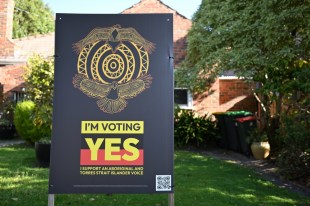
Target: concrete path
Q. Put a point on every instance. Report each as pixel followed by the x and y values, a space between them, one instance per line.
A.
pixel 5 143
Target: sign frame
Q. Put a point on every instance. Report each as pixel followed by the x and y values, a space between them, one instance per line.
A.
pixel 110 69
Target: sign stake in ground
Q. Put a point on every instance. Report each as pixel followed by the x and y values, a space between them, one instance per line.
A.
pixel 113 105
pixel 51 199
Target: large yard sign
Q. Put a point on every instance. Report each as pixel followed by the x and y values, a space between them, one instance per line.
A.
pixel 113 104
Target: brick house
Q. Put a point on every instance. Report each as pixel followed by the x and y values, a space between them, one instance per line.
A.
pixel 227 93
pixel 15 52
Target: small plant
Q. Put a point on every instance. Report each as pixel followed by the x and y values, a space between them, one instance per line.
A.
pixel 4 122
pixel 258 136
pixel 193 130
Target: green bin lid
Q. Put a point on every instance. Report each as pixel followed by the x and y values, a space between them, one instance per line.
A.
pixel 238 113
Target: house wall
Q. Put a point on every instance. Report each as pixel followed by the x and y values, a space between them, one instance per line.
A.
pixel 226 95
pixel 1 97
pixel 11 77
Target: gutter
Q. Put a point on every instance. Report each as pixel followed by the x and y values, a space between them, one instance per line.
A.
pixel 4 62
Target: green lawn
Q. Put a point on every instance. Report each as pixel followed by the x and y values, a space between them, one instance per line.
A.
pixel 200 181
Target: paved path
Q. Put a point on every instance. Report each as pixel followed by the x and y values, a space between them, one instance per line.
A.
pixel 5 143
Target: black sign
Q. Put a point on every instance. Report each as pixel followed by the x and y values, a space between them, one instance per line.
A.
pixel 113 104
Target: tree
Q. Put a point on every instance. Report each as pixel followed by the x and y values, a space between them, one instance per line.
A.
pixel 32 17
pixel 263 41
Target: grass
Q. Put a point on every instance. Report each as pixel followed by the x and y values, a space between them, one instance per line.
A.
pixel 200 181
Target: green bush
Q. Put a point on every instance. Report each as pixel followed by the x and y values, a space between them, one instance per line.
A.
pixel 294 156
pixel 193 130
pixel 24 122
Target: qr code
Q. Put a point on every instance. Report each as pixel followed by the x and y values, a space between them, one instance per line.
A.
pixel 163 182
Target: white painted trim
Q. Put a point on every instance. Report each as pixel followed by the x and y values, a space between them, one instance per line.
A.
pixel 12 61
pixel 230 77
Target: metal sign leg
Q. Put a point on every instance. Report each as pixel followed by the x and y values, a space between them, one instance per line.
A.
pixel 171 199
pixel 51 199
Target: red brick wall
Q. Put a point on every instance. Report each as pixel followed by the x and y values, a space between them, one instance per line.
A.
pixel 1 97
pixel 6 28
pixel 181 24
pixel 226 95
pixel 11 77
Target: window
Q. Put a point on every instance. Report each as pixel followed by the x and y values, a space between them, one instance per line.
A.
pixel 183 98
pixel 18 96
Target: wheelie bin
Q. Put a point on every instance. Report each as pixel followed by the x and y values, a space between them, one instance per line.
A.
pixel 244 127
pixel 231 132
pixel 220 118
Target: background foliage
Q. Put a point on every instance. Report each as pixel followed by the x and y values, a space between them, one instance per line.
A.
pixel 32 17
pixel 266 42
pixel 39 78
pixel 262 41
pixel 294 157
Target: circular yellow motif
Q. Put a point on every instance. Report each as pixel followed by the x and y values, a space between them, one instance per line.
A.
pixel 113 66
pixel 120 67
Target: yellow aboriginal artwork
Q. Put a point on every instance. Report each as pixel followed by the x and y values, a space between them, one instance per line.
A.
pixel 113 66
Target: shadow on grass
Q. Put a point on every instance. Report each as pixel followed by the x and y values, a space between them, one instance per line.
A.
pixel 212 182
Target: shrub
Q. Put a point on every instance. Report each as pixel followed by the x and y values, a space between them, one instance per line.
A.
pixel 39 78
pixel 6 110
pixel 294 156
pixel 192 130
pixel 24 122
pixel 7 129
